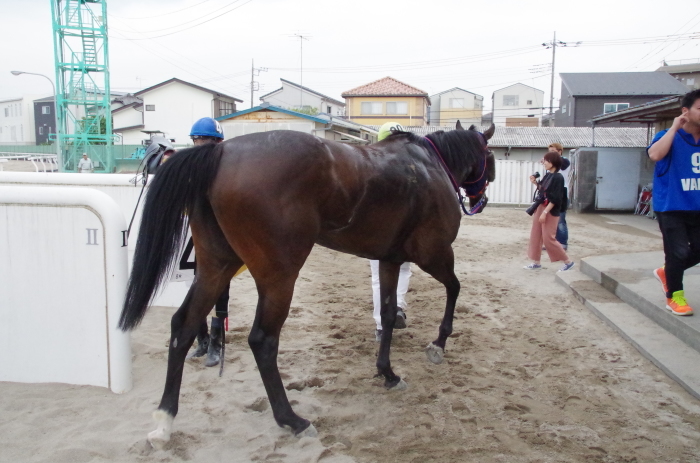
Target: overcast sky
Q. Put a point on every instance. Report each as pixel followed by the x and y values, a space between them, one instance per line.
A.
pixel 433 45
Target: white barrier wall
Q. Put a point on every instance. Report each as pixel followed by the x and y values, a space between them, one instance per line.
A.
pixel 124 193
pixel 63 275
pixel 512 184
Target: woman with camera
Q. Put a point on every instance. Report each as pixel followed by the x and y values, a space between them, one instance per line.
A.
pixel 550 201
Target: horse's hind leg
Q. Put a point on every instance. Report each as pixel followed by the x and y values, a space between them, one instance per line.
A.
pixel 275 295
pixel 388 280
pixel 441 267
pixel 212 278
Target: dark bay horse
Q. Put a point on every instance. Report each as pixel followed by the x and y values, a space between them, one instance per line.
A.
pixel 265 199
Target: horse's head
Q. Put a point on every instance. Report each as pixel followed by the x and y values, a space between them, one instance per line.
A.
pixel 475 184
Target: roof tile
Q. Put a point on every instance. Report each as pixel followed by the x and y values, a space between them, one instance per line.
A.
pixel 388 86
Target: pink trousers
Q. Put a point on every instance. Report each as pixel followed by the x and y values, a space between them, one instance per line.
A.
pixel 545 233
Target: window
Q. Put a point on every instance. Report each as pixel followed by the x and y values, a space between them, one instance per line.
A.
pixel 150 107
pixel 225 107
pixel 529 102
pixel 7 112
pixel 511 100
pixel 369 107
pixel 41 131
pixel 398 107
pixel 563 109
pixel 690 81
pixel 477 104
pixel 46 110
pixel 329 110
pixel 612 107
pixel 457 103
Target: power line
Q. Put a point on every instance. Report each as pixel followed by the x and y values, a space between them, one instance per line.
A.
pixel 191 27
pixel 159 15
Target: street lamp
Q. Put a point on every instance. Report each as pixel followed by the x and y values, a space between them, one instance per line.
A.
pixel 59 158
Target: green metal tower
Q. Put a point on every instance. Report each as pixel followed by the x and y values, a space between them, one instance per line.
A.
pixel 81 57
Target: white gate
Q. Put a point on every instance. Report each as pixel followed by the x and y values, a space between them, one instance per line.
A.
pixel 512 184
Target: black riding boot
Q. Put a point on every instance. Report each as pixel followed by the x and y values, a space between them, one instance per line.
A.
pixel 215 340
pixel 202 342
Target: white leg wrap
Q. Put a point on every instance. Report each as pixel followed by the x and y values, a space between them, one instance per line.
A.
pixel 435 354
pixel 161 435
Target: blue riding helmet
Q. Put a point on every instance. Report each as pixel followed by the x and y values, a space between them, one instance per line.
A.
pixel 207 127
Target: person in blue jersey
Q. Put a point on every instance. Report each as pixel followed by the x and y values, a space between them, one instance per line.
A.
pixel 676 191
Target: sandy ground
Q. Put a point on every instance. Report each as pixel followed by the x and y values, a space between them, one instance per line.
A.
pixel 529 375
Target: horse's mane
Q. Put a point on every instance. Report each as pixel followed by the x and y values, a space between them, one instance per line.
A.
pixel 458 148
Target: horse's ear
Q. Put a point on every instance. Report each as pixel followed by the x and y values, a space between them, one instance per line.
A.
pixel 472 127
pixel 489 132
pixel 459 126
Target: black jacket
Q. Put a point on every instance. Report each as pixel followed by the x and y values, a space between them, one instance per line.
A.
pixel 552 185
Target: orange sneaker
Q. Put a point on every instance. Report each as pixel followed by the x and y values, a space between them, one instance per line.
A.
pixel 660 274
pixel 678 305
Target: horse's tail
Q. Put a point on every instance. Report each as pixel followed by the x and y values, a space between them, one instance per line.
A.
pixel 180 186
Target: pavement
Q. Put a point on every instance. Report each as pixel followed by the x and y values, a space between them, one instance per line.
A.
pixel 622 291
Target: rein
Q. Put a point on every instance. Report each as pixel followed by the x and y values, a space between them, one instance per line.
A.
pixel 479 204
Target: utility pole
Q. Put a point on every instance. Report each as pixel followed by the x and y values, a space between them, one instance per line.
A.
pixel 551 85
pixel 253 84
pixel 553 45
pixel 301 67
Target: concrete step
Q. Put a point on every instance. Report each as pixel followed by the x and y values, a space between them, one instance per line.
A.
pixel 630 277
pixel 673 356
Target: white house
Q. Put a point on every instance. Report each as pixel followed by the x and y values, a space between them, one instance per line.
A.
pixel 170 107
pixel 454 105
pixel 267 117
pixel 17 120
pixel 294 96
pixel 517 105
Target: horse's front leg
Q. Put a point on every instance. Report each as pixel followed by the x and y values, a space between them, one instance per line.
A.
pixel 388 280
pixel 441 267
pixel 184 326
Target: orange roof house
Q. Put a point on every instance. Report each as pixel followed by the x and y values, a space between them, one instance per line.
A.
pixel 387 100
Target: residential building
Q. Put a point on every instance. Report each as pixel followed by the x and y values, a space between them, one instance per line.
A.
pixel 44 119
pixel 17 121
pixel 170 107
pixel 386 100
pixel 688 74
pixel 588 94
pixel 517 105
pixel 297 97
pixel 267 117
pixel 456 104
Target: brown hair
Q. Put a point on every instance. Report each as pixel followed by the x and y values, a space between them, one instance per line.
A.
pixel 554 158
pixel 556 146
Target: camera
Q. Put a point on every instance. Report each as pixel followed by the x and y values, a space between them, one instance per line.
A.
pixel 536 175
pixel 531 210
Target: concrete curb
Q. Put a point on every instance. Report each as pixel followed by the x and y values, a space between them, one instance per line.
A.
pixel 629 277
pixel 671 355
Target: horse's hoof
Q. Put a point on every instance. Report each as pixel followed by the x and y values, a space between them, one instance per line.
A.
pixel 308 432
pixel 435 354
pixel 161 435
pixel 400 386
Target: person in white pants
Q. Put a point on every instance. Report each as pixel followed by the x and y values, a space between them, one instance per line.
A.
pixel 401 290
pixel 405 272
